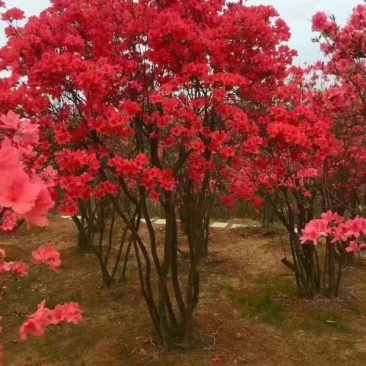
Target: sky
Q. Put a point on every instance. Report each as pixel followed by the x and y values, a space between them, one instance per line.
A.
pixel 296 13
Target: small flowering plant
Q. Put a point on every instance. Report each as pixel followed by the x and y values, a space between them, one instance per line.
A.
pixel 25 195
pixel 43 317
pixel 48 255
pixel 350 233
pixel 342 236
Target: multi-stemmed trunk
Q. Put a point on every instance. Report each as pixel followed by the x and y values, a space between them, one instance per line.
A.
pixel 170 287
pixel 195 213
pixel 311 277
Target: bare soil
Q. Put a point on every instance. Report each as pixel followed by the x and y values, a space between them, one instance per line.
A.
pixel 248 314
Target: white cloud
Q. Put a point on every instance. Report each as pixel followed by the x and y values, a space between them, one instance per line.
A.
pixel 30 7
pixel 298 13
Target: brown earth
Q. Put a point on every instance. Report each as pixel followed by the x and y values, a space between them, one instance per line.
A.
pixel 248 314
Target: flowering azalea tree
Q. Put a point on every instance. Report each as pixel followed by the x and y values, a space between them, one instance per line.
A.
pixel 309 156
pixel 141 101
pixel 342 184
pixel 344 101
pixel 283 164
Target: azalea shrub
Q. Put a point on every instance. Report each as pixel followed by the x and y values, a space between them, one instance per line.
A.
pixel 343 237
pixel 349 232
pixel 141 101
pixel 283 166
pixel 343 99
pixel 340 184
pixel 309 155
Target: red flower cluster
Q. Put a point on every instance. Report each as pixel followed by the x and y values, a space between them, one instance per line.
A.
pixel 44 317
pixel 349 232
pixel 48 255
pixel 23 194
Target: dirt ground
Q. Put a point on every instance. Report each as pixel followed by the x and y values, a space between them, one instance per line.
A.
pixel 248 314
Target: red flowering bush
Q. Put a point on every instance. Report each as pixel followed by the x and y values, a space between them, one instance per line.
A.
pixel 309 155
pixel 342 99
pixel 140 101
pixel 340 184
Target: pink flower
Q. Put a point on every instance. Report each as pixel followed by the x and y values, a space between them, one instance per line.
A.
pixel 9 221
pixel 36 322
pixel 319 21
pixel 339 233
pixel 26 133
pixel 18 192
pixel 10 120
pixel 49 176
pixel 16 268
pixel 42 204
pixel 47 254
pixel 4 266
pixel 332 216
pixel 321 225
pixel 314 230
pixel 69 208
pixel 352 247
pixel 9 158
pixel 19 268
pixel 69 313
pixel 354 227
pixel 310 234
pixel 13 14
pixel 44 317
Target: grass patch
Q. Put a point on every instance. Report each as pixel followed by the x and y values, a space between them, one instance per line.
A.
pixel 281 285
pixel 258 231
pixel 264 305
pixel 324 322
pixel 260 306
